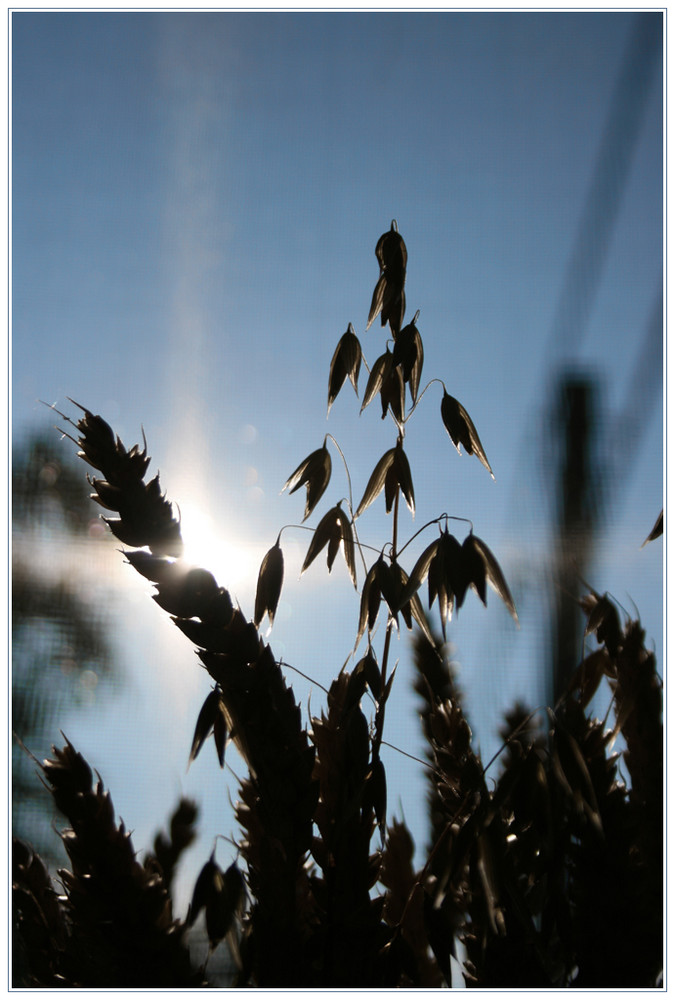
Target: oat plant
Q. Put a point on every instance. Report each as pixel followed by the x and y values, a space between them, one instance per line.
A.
pixel 543 867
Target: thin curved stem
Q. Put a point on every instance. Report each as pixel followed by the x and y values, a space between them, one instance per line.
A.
pixel 436 520
pixel 312 529
pixel 419 881
pixel 510 738
pixel 283 663
pixel 410 756
pixel 379 715
pixel 344 462
pixel 350 501
pixel 419 531
pixel 419 398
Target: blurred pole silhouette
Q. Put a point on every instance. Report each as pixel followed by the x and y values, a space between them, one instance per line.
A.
pixel 575 412
pixel 578 509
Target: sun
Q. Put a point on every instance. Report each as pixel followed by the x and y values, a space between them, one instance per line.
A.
pixel 235 566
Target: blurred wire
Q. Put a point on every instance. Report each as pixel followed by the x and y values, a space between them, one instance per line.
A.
pixel 604 197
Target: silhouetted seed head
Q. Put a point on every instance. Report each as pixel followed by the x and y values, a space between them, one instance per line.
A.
pixel 333 530
pixel 205 722
pixel 389 297
pixel 314 473
pixel 218 609
pixel 379 374
pixel 270 580
pixel 392 394
pixel 391 473
pixel 220 732
pixel 346 363
pixel 356 687
pixel 220 899
pixel 366 673
pixel 375 795
pixel 357 740
pixel 155 568
pixel 460 427
pixel 371 598
pixel 603 619
pixel 409 356
pixel 237 639
pixel 656 531
pixel 188 594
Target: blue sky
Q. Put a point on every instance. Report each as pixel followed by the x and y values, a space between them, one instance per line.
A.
pixel 196 198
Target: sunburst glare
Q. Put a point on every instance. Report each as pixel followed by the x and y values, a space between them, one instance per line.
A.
pixel 235 566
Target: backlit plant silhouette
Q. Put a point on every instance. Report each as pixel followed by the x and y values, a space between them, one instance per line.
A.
pixel 546 872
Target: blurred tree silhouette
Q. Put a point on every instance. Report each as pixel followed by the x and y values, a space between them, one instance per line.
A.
pixel 48 491
pixel 60 650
